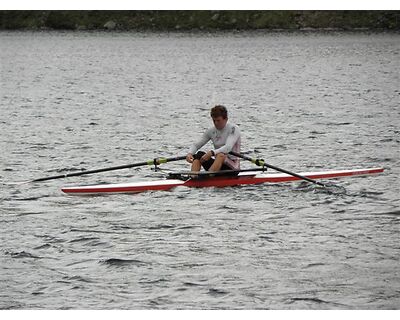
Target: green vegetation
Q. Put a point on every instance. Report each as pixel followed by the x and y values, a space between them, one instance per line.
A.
pixel 199 20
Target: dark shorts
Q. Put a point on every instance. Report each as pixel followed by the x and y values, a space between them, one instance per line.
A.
pixel 207 165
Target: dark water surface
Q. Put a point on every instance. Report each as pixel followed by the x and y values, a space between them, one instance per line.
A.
pixel 304 102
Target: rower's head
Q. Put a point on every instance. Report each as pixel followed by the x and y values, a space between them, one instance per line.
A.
pixel 219 115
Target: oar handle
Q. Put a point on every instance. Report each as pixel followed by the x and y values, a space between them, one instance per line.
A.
pixel 258 162
pixel 155 161
pixel 262 163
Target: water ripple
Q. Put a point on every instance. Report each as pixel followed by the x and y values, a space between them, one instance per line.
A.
pixel 117 262
pixel 93 100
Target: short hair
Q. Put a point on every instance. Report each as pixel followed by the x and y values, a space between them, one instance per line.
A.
pixel 219 111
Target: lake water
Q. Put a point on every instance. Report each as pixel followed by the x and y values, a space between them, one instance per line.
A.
pixel 303 101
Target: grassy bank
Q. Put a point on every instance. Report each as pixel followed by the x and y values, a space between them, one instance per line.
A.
pixel 199 20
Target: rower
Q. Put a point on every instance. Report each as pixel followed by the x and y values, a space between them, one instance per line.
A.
pixel 225 138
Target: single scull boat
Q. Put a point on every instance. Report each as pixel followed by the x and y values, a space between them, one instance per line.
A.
pixel 243 178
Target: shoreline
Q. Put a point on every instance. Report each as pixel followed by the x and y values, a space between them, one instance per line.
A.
pixel 201 21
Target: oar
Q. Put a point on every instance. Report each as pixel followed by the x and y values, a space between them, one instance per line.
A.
pixel 262 163
pixel 155 161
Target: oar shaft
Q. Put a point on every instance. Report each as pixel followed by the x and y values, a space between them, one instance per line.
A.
pixel 260 163
pixel 155 161
pixel 295 174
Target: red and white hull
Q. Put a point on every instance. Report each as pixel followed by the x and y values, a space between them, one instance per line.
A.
pixel 243 178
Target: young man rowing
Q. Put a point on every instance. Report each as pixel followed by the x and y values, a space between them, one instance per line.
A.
pixel 225 137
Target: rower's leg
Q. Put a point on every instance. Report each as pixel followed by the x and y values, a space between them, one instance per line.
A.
pixel 219 161
pixel 196 165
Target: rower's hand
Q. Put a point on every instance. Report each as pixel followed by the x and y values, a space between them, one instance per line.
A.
pixel 189 158
pixel 206 157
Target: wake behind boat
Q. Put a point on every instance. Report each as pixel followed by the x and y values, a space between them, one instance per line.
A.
pixel 191 180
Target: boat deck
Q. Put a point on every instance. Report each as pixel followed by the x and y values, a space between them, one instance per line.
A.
pixel 243 178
